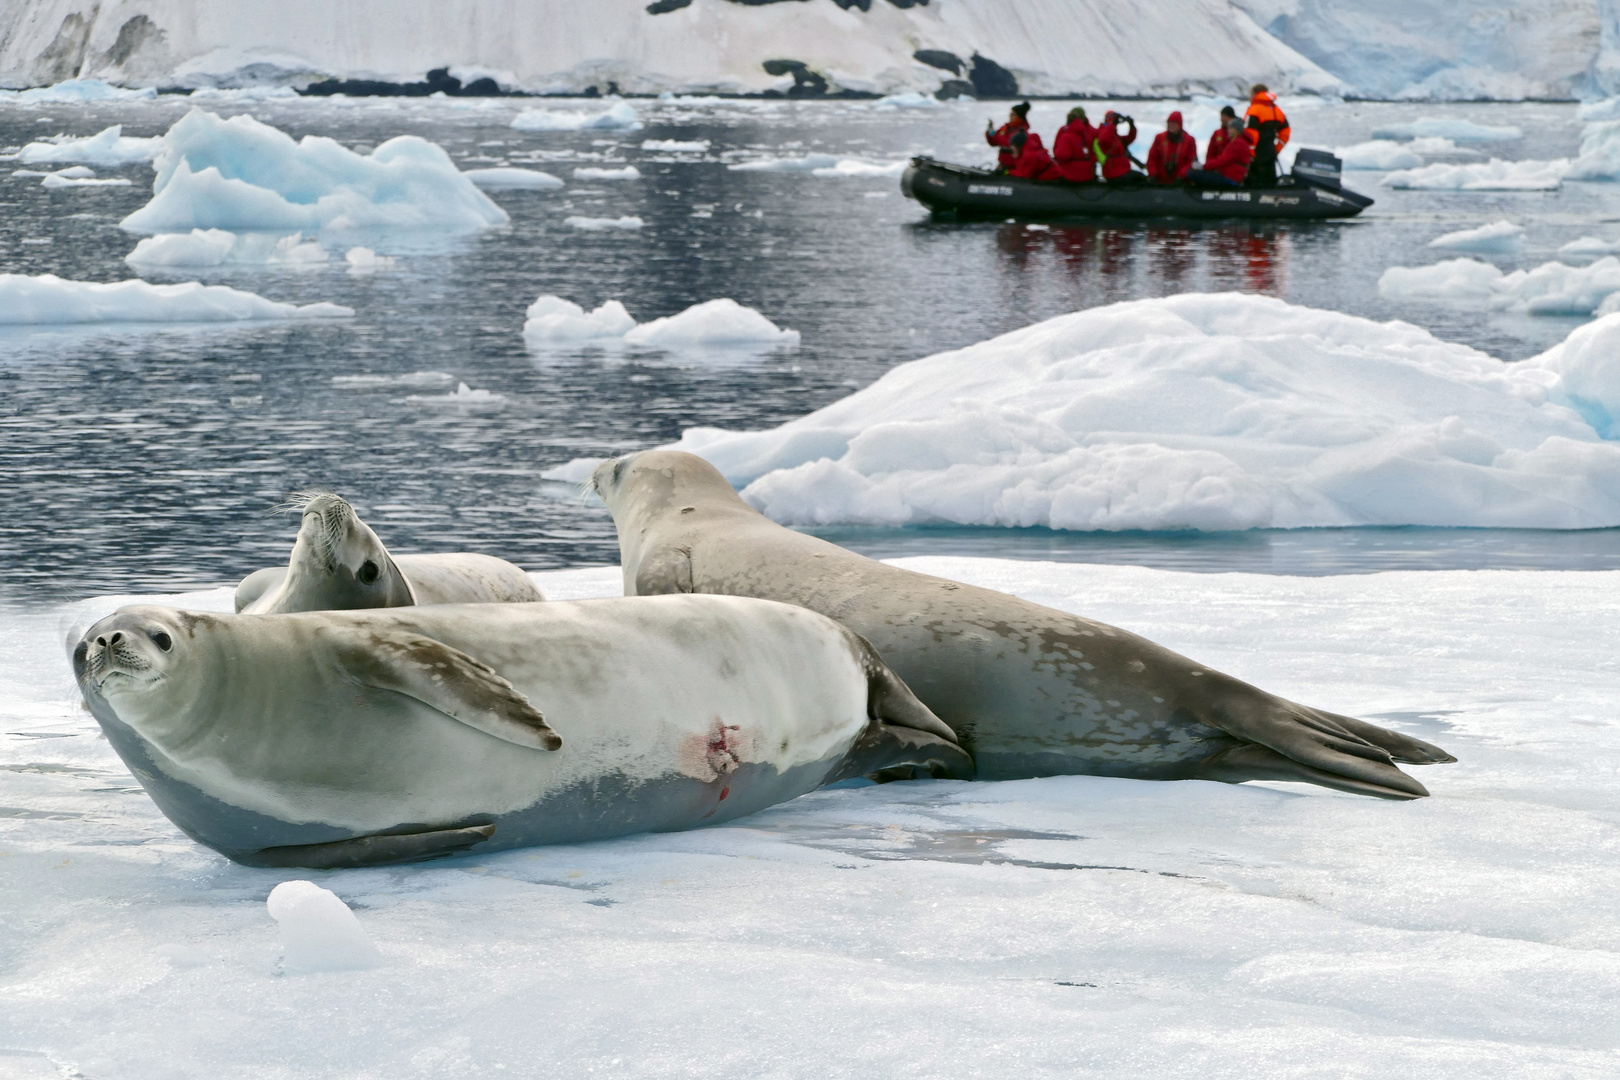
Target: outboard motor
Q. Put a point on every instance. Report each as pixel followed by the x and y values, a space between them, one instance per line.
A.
pixel 1318 167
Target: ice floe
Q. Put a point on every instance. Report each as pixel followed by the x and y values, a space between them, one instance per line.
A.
pixel 676 146
pixel 318 930
pixel 592 172
pixel 108 148
pixel 1497 238
pixel 48 299
pixel 1446 127
pixel 1378 154
pixel 80 176
pixel 1589 247
pixel 363 260
pixel 824 165
pixel 507 178
pixel 1201 411
pixel 77 91
pixel 910 99
pixel 1076 926
pixel 242 175
pixel 1493 175
pixel 414 380
pixel 463 396
pixel 1549 289
pixel 603 224
pixel 1599 158
pixel 716 325
pixel 217 247
pixel 621 116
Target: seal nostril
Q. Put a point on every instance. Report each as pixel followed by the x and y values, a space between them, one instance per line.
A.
pixel 102 642
pixel 368 572
pixel 116 638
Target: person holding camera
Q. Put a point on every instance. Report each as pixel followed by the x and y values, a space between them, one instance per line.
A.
pixel 1017 120
pixel 1109 148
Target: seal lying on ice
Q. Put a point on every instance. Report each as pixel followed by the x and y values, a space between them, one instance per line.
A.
pixel 1029 690
pixel 338 563
pixel 356 738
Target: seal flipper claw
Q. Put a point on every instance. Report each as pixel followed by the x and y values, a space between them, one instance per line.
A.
pixel 1402 748
pixel 1252 762
pixel 372 850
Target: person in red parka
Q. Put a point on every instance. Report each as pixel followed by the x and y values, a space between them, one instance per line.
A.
pixel 1109 147
pixel 1229 165
pixel 1173 154
pixel 1072 149
pixel 1033 163
pixel 1017 120
pixel 1222 135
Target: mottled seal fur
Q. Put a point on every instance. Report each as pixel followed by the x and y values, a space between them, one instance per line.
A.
pixel 338 564
pixel 1029 690
pixel 350 738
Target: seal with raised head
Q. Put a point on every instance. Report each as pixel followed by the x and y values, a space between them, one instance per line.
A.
pixel 339 564
pixel 355 738
pixel 1029 690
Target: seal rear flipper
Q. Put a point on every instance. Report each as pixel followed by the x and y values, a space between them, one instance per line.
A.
pixel 257 584
pixel 372 850
pixel 885 752
pixel 1251 762
pixel 1403 748
pixel 667 570
pixel 442 678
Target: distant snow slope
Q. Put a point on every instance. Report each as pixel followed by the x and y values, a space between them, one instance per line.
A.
pixel 1046 46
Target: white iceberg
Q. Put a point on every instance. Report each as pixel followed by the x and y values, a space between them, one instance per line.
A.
pixel 1497 238
pixel 1378 154
pixel 108 148
pixel 621 116
pixel 241 175
pixel 318 930
pixel 1449 128
pixel 1599 158
pixel 719 326
pixel 48 299
pixel 507 178
pixel 601 224
pixel 217 247
pixel 1494 175
pixel 553 320
pixel 363 260
pixel 592 172
pixel 1549 289
pixel 1589 247
pixel 676 146
pixel 77 91
pixel 910 99
pixel 1195 412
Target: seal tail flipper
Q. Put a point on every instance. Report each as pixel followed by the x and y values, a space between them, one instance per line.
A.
pixel 1403 748
pixel 372 850
pixel 1316 741
pixel 1252 762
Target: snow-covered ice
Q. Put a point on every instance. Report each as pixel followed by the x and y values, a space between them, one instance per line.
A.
pixel 593 172
pixel 1449 127
pixel 1199 411
pixel 318 930
pixel 603 224
pixel 107 149
pixel 719 327
pixel 1496 238
pixel 910 99
pixel 48 299
pixel 621 116
pixel 507 178
pixel 1493 175
pixel 217 247
pixel 242 175
pixel 1549 289
pixel 1070 926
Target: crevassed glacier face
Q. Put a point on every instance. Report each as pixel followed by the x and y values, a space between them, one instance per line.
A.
pixel 1205 412
pixel 243 175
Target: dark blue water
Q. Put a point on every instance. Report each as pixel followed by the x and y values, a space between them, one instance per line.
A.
pixel 145 459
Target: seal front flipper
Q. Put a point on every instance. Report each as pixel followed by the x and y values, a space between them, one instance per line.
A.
pixel 885 752
pixel 667 570
pixel 379 850
pixel 1251 762
pixel 443 678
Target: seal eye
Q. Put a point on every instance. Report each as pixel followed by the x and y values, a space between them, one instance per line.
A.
pixel 368 572
pixel 162 640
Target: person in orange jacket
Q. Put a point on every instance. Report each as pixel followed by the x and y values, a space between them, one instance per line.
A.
pixel 1017 120
pixel 1072 149
pixel 1033 163
pixel 1109 147
pixel 1268 131
pixel 1173 154
pixel 1226 165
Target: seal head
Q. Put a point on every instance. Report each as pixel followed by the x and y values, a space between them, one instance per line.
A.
pixel 337 563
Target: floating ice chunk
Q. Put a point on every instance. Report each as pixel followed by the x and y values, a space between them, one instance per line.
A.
pixel 242 175
pixel 363 260
pixel 415 380
pixel 108 148
pixel 463 396
pixel 600 224
pixel 1454 279
pixel 1587 364
pixel 1435 145
pixel 716 323
pixel 806 164
pixel 78 176
pixel 506 178
pixel 1591 247
pixel 1599 158
pixel 216 247
pixel 1378 154
pixel 1497 238
pixel 551 319
pixel 1494 175
pixel 74 91
pixel 1593 111
pixel 318 931
pixel 1549 289
pixel 1448 128
pixel 620 117
pixel 50 299
pixel 590 172
pixel 850 167
pixel 908 100
pixel 676 146
pixel 232 95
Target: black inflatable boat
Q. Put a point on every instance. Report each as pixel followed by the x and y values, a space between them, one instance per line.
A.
pixel 1311 191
